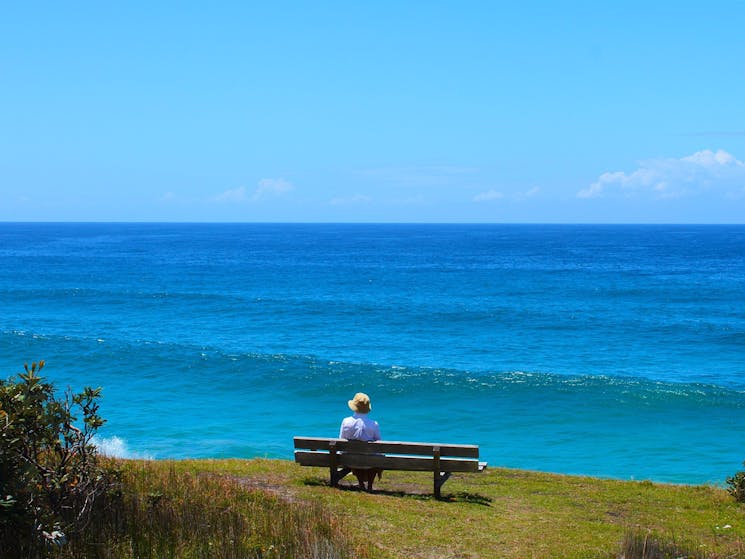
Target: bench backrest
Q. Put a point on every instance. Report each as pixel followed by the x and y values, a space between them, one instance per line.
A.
pixel 316 451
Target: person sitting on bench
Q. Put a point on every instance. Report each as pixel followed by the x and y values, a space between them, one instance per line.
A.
pixel 360 427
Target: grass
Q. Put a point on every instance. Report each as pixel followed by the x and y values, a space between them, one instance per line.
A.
pixel 512 513
pixel 163 510
pixel 273 508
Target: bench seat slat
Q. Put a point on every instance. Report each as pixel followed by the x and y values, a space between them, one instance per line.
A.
pixel 405 463
pixel 387 447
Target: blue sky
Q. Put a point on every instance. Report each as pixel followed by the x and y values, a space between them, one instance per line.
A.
pixel 466 111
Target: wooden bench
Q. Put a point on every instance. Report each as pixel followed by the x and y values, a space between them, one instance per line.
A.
pixel 341 455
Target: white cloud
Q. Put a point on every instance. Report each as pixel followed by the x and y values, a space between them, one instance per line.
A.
pixel 595 189
pixel 350 200
pixel 421 176
pixel 271 187
pixel 266 188
pixel 705 170
pixel 232 195
pixel 532 193
pixel 708 158
pixel 415 200
pixel 488 196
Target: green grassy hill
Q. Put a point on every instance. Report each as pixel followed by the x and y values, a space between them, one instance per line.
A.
pixel 505 513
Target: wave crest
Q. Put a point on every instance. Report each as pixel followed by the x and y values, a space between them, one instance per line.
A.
pixel 116 447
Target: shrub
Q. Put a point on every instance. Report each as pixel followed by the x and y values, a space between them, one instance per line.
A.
pixel 50 477
pixel 736 485
pixel 59 498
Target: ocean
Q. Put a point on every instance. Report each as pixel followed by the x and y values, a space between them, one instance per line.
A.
pixel 612 351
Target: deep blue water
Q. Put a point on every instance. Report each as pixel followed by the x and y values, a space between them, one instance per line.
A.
pixel 605 350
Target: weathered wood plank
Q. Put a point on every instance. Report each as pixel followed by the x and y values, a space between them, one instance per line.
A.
pixel 387 447
pixel 386 462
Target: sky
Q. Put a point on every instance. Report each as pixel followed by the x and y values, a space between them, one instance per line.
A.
pixel 361 111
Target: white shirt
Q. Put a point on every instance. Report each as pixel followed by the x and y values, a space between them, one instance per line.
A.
pixel 359 427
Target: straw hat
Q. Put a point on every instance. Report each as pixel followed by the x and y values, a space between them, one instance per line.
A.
pixel 360 403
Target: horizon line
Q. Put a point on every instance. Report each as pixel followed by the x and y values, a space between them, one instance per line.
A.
pixel 481 223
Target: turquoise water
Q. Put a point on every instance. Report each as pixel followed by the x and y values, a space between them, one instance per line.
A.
pixel 614 351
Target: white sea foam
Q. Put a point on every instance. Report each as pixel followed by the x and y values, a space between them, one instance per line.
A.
pixel 116 447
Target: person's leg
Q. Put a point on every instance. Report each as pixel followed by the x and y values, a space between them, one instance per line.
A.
pixel 361 476
pixel 371 478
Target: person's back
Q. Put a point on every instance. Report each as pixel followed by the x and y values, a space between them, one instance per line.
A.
pixel 359 427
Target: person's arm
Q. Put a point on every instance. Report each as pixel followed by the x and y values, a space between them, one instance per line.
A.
pixel 347 429
pixel 377 432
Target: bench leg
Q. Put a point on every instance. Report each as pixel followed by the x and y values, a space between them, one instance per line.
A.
pixel 336 474
pixel 440 479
